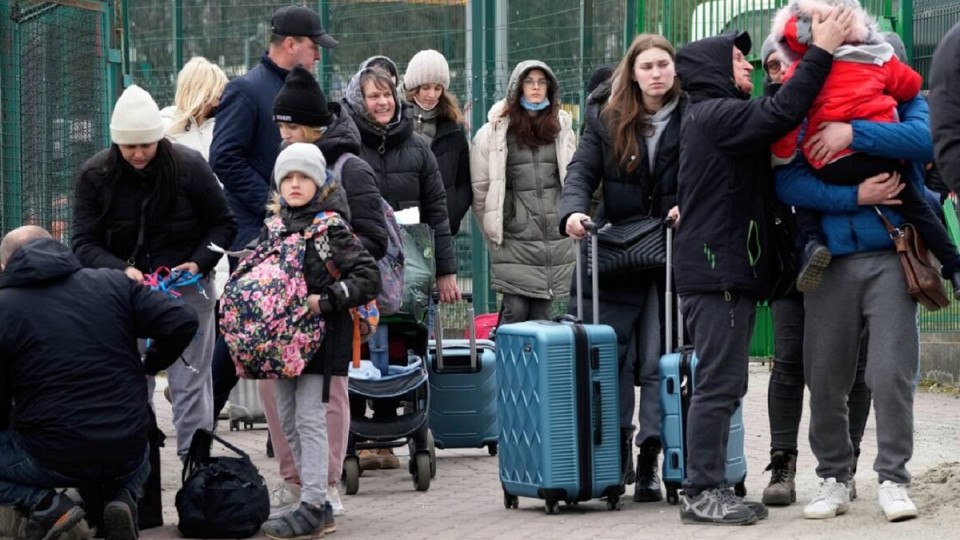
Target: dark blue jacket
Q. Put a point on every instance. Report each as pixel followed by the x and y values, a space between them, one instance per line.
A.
pixel 69 360
pixel 246 143
pixel 848 227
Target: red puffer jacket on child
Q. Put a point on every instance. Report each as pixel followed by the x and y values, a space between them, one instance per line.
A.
pixel 865 83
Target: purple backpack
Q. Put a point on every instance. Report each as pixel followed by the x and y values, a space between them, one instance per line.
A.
pixel 391 264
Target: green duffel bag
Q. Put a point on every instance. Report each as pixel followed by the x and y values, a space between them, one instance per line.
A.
pixel 419 269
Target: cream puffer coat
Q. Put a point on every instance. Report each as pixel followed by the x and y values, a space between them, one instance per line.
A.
pixel 543 267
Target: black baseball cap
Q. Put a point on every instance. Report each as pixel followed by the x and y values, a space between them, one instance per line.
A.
pixel 298 21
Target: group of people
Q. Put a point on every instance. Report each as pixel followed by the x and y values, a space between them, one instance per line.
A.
pixel 667 134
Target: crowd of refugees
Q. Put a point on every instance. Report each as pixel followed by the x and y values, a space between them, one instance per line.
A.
pixel 840 133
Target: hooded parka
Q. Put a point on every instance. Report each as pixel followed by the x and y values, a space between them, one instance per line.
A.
pixel 516 199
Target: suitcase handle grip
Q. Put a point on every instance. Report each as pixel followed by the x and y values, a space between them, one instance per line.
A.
pixel 597 414
pixel 471 330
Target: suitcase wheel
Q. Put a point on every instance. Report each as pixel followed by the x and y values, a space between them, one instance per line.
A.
pixel 420 467
pixel 614 503
pixel 672 496
pixel 510 501
pixel 351 475
pixel 552 507
pixel 492 448
pixel 740 489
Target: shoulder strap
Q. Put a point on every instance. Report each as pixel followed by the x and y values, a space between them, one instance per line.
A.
pixel 338 166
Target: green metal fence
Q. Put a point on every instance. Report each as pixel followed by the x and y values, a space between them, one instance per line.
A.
pixel 58 77
pixel 931 20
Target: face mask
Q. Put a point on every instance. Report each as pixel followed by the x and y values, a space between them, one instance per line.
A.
pixel 212 113
pixel 534 106
pixel 417 101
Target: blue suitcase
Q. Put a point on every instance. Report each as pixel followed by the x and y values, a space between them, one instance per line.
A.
pixel 463 390
pixel 559 412
pixel 677 381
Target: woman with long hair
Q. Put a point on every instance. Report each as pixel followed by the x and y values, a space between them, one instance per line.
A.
pixel 631 142
pixel 519 163
pixel 144 204
pixel 437 116
pixel 190 120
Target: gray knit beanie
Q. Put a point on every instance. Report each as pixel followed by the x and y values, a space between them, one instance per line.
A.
pixel 427 67
pixel 769 47
pixel 304 158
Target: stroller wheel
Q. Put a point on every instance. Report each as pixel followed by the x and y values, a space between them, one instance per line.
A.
pixel 421 471
pixel 433 454
pixel 351 475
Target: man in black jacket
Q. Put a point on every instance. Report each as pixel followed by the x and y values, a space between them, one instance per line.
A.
pixel 945 107
pixel 73 391
pixel 721 261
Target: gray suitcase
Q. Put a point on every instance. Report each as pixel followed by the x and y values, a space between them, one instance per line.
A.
pixel 244 407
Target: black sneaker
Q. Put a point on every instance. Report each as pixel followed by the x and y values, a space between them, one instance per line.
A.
pixel 329 525
pixel 716 506
pixel 305 521
pixel 813 261
pixel 55 515
pixel 120 517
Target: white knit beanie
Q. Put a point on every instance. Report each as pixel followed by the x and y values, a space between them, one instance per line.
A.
pixel 136 118
pixel 427 67
pixel 303 158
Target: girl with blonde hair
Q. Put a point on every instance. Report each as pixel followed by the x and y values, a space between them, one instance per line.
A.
pixel 191 119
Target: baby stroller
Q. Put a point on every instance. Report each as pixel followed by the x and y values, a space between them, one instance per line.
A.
pixel 397 368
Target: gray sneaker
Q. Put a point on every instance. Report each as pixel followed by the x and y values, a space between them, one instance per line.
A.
pixel 716 506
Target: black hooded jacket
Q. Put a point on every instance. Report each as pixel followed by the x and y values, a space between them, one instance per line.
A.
pixel 69 359
pixel 625 195
pixel 408 177
pixel 721 240
pixel 358 181
pixel 945 107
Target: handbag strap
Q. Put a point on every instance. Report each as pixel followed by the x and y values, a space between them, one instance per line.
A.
pixel 204 438
pixel 894 232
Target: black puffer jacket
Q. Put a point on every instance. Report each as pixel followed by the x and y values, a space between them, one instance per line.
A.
pixel 68 344
pixel 408 177
pixel 721 242
pixel 452 151
pixel 107 218
pixel 945 107
pixel 358 180
pixel 625 195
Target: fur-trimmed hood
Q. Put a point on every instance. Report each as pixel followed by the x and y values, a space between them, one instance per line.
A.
pixel 792 26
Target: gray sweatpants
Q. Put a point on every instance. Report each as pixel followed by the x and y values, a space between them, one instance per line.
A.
pixel 865 290
pixel 191 387
pixel 638 340
pixel 303 415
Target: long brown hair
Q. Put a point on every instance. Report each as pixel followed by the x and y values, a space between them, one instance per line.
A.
pixel 533 130
pixel 624 111
pixel 449 108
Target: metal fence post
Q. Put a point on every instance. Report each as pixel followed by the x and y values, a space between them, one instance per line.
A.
pixel 177 35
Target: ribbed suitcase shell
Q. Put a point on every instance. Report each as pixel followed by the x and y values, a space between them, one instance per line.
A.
pixel 537 404
pixel 672 429
pixel 244 405
pixel 463 402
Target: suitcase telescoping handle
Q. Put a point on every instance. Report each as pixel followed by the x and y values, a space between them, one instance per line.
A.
pixel 591 229
pixel 668 223
pixel 471 330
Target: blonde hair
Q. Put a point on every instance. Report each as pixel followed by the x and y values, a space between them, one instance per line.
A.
pixel 199 83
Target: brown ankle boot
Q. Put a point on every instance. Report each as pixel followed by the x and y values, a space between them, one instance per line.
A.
pixel 783 469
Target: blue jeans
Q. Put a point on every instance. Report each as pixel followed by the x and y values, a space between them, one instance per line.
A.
pixel 24 482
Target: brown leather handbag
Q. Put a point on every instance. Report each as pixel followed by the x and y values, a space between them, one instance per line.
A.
pixel 920 267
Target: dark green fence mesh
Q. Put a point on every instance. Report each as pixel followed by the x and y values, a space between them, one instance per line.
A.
pixel 931 20
pixel 55 107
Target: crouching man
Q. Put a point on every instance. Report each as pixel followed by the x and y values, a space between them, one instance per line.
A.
pixel 73 391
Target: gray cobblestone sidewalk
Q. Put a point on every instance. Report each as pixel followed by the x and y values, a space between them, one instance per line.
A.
pixel 465 499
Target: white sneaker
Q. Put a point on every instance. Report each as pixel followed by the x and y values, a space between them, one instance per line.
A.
pixel 832 500
pixel 284 498
pixel 333 497
pixel 895 502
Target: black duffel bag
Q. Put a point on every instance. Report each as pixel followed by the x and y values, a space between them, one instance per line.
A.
pixel 221 497
pixel 631 247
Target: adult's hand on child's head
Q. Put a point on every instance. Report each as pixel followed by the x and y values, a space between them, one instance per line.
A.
pixel 574 226
pixel 134 274
pixel 830 139
pixel 830 32
pixel 880 189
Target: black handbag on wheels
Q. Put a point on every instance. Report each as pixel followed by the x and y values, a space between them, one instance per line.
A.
pixel 633 246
